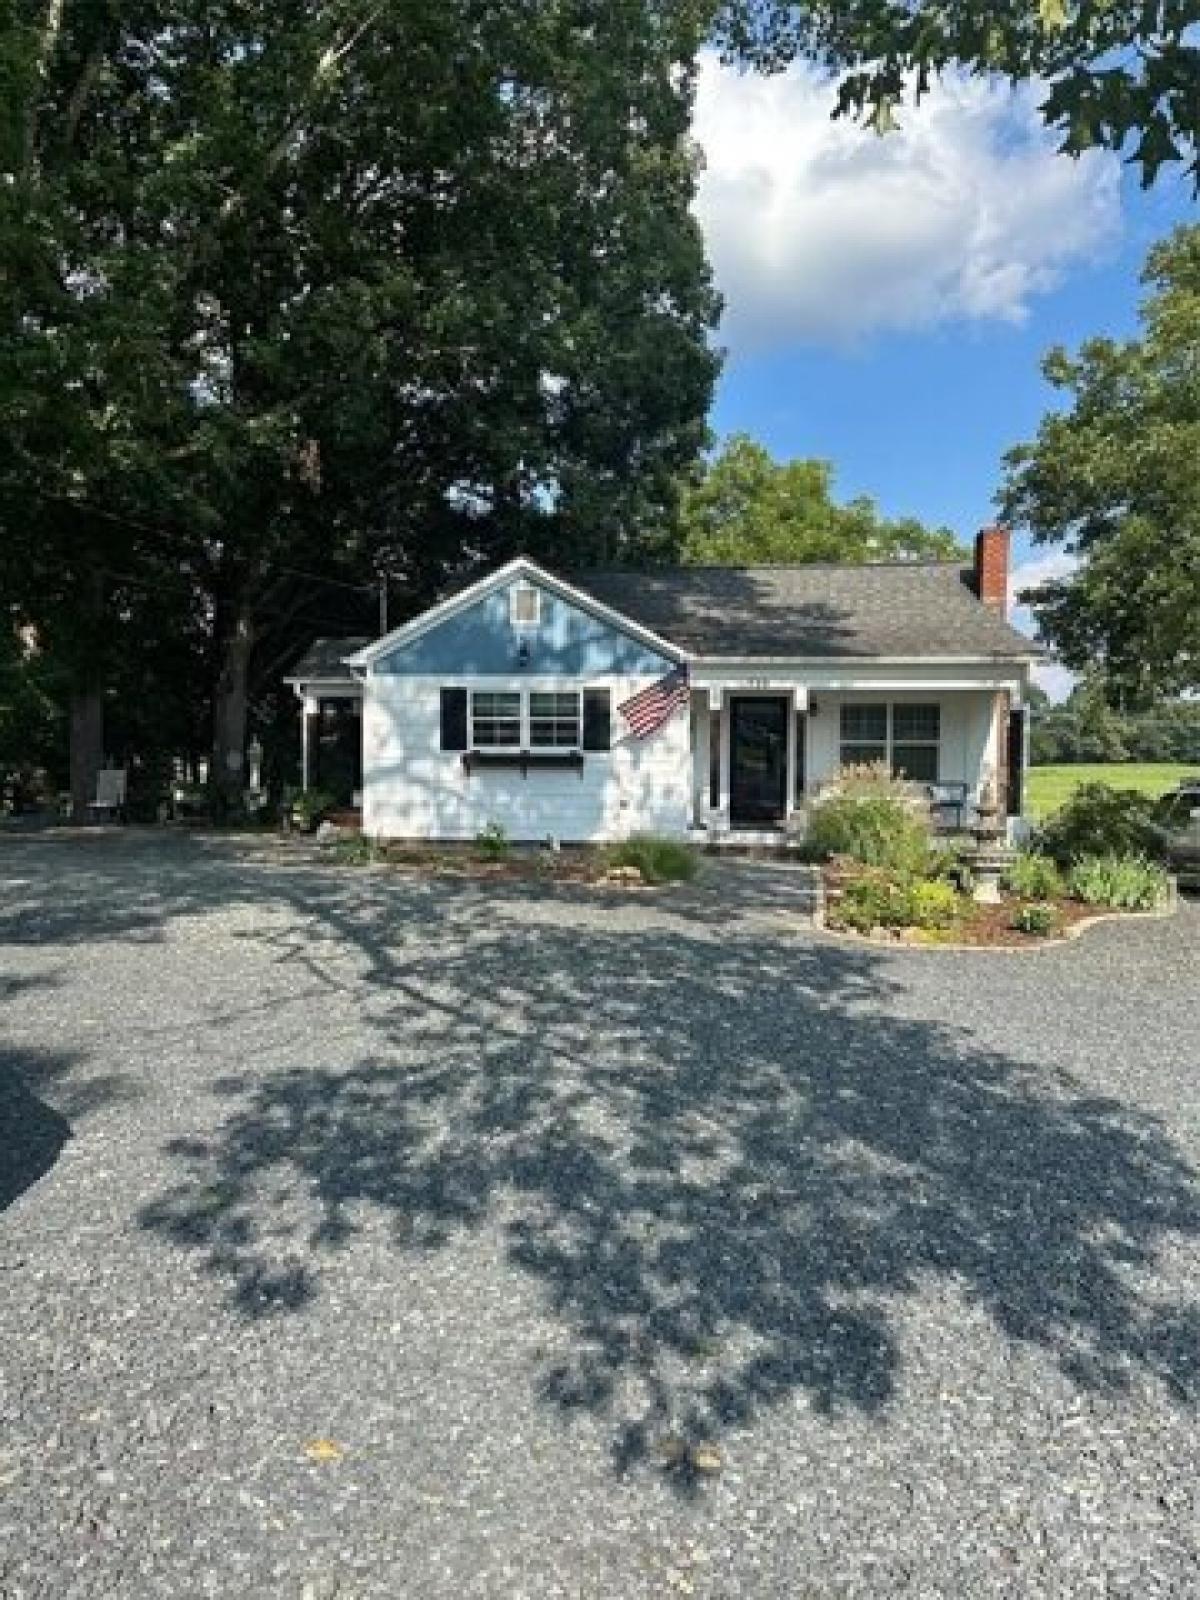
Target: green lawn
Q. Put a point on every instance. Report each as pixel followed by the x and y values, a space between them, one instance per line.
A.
pixel 1050 787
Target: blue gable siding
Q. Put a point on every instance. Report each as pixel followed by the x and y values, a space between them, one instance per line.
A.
pixel 480 641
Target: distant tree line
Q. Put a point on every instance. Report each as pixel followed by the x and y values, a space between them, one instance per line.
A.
pixel 1085 728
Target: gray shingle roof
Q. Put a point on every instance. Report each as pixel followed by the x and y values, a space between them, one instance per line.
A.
pixel 324 658
pixel 906 609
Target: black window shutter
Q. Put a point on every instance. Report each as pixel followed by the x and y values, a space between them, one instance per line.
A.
pixel 597 720
pixel 454 719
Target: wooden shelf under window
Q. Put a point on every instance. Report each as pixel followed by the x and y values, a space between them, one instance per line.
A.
pixel 524 760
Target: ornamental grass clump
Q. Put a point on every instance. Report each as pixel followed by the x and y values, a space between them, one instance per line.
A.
pixel 1122 883
pixel 873 818
pixel 658 860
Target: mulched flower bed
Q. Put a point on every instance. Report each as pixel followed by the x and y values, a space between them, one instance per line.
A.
pixel 988 926
pixel 532 865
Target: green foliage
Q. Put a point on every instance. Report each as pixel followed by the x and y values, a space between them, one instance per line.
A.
pixel 1086 729
pixel 1114 476
pixel 1123 882
pixel 1119 76
pixel 871 817
pixel 356 850
pixel 873 900
pixel 744 507
pixel 493 842
pixel 309 806
pixel 880 899
pixel 658 860
pixel 951 863
pixel 934 904
pixel 219 373
pixel 1038 918
pixel 1099 820
pixel 1033 875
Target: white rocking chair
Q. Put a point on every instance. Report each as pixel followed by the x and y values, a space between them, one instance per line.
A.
pixel 110 794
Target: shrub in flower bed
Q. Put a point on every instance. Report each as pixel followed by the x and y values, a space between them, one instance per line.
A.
pixel 1099 820
pixel 873 818
pixel 1123 883
pixel 1038 919
pixel 1034 876
pixel 874 898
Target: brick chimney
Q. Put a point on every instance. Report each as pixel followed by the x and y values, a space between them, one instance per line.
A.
pixel 991 568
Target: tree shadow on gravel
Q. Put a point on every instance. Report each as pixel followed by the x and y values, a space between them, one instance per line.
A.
pixel 722 1162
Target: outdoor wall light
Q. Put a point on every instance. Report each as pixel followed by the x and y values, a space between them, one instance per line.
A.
pixel 523 653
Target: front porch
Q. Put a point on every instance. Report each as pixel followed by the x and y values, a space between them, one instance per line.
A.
pixel 761 749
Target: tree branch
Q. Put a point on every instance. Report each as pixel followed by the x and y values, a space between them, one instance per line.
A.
pixel 326 67
pixel 47 44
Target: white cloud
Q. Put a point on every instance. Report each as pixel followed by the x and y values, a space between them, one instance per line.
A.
pixel 1056 680
pixel 821 231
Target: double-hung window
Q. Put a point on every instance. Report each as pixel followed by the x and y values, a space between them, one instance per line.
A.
pixel 510 719
pixel 495 719
pixel 916 741
pixel 906 737
pixel 864 735
pixel 554 721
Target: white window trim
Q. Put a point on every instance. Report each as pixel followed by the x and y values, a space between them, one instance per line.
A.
pixel 890 741
pixel 527 726
pixel 524 624
pixel 472 696
pixel 524 698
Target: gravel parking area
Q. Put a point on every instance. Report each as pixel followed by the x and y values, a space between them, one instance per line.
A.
pixel 369 1236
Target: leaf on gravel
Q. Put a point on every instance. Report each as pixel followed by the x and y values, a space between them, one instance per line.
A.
pixel 323 1450
pixel 705 1458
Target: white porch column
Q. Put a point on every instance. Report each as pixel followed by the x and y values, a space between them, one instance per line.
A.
pixel 701 725
pixel 718 703
pixel 309 706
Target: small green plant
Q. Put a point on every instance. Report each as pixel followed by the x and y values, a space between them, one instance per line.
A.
pixel 1123 883
pixel 1037 918
pixel 934 903
pixel 356 850
pixel 1033 876
pixel 493 842
pixel 1099 820
pixel 951 863
pixel 310 805
pixel 658 860
pixel 871 817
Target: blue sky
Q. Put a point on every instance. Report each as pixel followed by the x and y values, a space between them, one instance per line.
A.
pixel 889 301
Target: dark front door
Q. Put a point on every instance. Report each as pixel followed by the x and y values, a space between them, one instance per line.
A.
pixel 758 734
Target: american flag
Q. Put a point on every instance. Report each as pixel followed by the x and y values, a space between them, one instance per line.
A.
pixel 650 708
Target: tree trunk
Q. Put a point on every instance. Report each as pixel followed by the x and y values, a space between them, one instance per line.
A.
pixel 87 748
pixel 227 777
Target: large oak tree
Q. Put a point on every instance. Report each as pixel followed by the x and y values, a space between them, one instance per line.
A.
pixel 1114 477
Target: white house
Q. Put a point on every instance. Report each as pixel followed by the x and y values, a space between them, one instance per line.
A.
pixel 509 702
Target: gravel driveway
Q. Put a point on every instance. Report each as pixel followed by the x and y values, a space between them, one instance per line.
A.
pixel 525 1200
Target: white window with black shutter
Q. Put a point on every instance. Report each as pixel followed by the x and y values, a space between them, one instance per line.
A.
pixel 496 719
pixel 536 720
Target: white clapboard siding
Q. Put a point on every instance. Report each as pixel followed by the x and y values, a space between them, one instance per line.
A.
pixel 412 789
